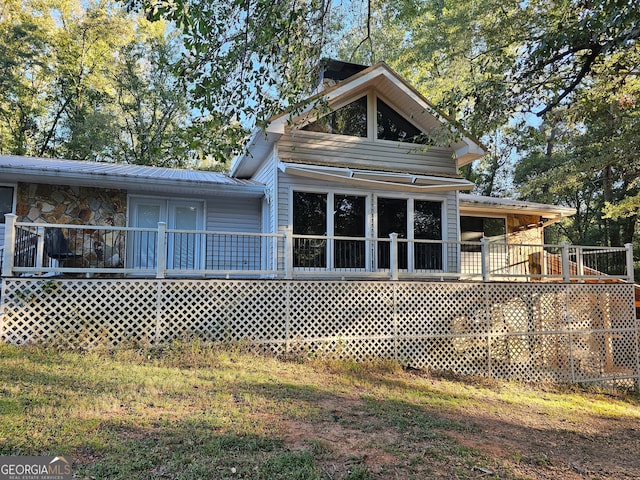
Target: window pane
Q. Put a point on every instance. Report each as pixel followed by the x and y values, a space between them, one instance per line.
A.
pixel 349 221
pixel 6 201
pixel 310 218
pixel 392 218
pixel 393 126
pixel 349 216
pixel 348 120
pixel 427 220
pixel 427 226
pixel 309 213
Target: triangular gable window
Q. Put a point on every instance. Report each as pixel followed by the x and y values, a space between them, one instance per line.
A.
pixel 393 126
pixel 348 120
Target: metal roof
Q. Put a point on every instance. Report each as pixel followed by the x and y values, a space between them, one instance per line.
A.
pixel 479 202
pixel 112 175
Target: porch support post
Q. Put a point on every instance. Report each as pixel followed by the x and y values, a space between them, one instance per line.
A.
pixel 393 256
pixel 566 267
pixel 288 253
pixel 9 243
pixel 485 260
pixel 162 250
pixel 629 254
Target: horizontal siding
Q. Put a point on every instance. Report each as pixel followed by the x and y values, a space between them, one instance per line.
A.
pixel 353 152
pixel 233 214
pixel 231 252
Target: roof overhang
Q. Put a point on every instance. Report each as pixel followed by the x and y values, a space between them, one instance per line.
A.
pixel 482 205
pixel 122 176
pixel 385 180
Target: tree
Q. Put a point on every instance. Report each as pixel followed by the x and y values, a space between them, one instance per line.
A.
pixel 246 59
pixel 86 81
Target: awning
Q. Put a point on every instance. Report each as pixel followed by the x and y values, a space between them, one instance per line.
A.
pixel 387 180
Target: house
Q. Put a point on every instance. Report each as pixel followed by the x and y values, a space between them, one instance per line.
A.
pixel 360 183
pixel 367 169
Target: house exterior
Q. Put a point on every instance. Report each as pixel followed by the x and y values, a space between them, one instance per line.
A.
pixel 367 169
pixel 343 229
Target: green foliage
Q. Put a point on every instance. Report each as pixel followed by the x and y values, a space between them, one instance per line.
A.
pixel 245 60
pixel 85 80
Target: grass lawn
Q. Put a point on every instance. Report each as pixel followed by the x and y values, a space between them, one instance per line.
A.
pixel 194 411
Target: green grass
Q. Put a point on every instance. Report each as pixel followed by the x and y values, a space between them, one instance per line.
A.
pixel 197 411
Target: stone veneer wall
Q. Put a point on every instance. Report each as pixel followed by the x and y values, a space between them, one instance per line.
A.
pixel 65 204
pixel 45 203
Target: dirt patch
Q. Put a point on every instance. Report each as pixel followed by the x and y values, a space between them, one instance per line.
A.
pixel 513 443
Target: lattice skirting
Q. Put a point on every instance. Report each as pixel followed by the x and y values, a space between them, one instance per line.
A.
pixel 526 331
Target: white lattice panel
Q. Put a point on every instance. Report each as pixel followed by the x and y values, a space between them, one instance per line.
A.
pixel 342 319
pixel 532 332
pixel 78 313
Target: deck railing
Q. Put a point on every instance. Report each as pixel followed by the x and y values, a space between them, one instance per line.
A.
pixel 47 249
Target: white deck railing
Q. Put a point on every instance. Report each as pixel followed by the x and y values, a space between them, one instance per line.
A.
pixel 53 249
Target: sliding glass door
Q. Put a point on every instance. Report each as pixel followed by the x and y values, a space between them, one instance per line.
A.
pixel 183 247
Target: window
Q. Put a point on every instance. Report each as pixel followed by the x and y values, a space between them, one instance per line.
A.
pixel 348 219
pixel 353 119
pixel 310 218
pixel 348 120
pixel 394 217
pixel 6 202
pixel 473 229
pixel 427 225
pixel 393 126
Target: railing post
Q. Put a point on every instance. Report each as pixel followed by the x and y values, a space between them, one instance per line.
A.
pixel 9 243
pixel 39 247
pixel 628 247
pixel 288 253
pixel 485 259
pixel 161 259
pixel 393 256
pixel 566 265
pixel 579 262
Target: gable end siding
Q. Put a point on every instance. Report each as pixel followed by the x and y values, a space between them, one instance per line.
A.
pixel 352 152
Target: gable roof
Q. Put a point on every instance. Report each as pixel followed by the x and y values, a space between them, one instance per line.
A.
pixel 122 176
pixel 379 76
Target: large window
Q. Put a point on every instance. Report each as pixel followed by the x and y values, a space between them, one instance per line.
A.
pixel 394 216
pixel 347 218
pixel 393 126
pixel 427 223
pixel 310 218
pixel 348 120
pixel 353 119
pixel 349 221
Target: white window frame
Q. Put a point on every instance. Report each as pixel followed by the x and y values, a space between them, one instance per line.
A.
pixel 331 193
pixel 411 221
